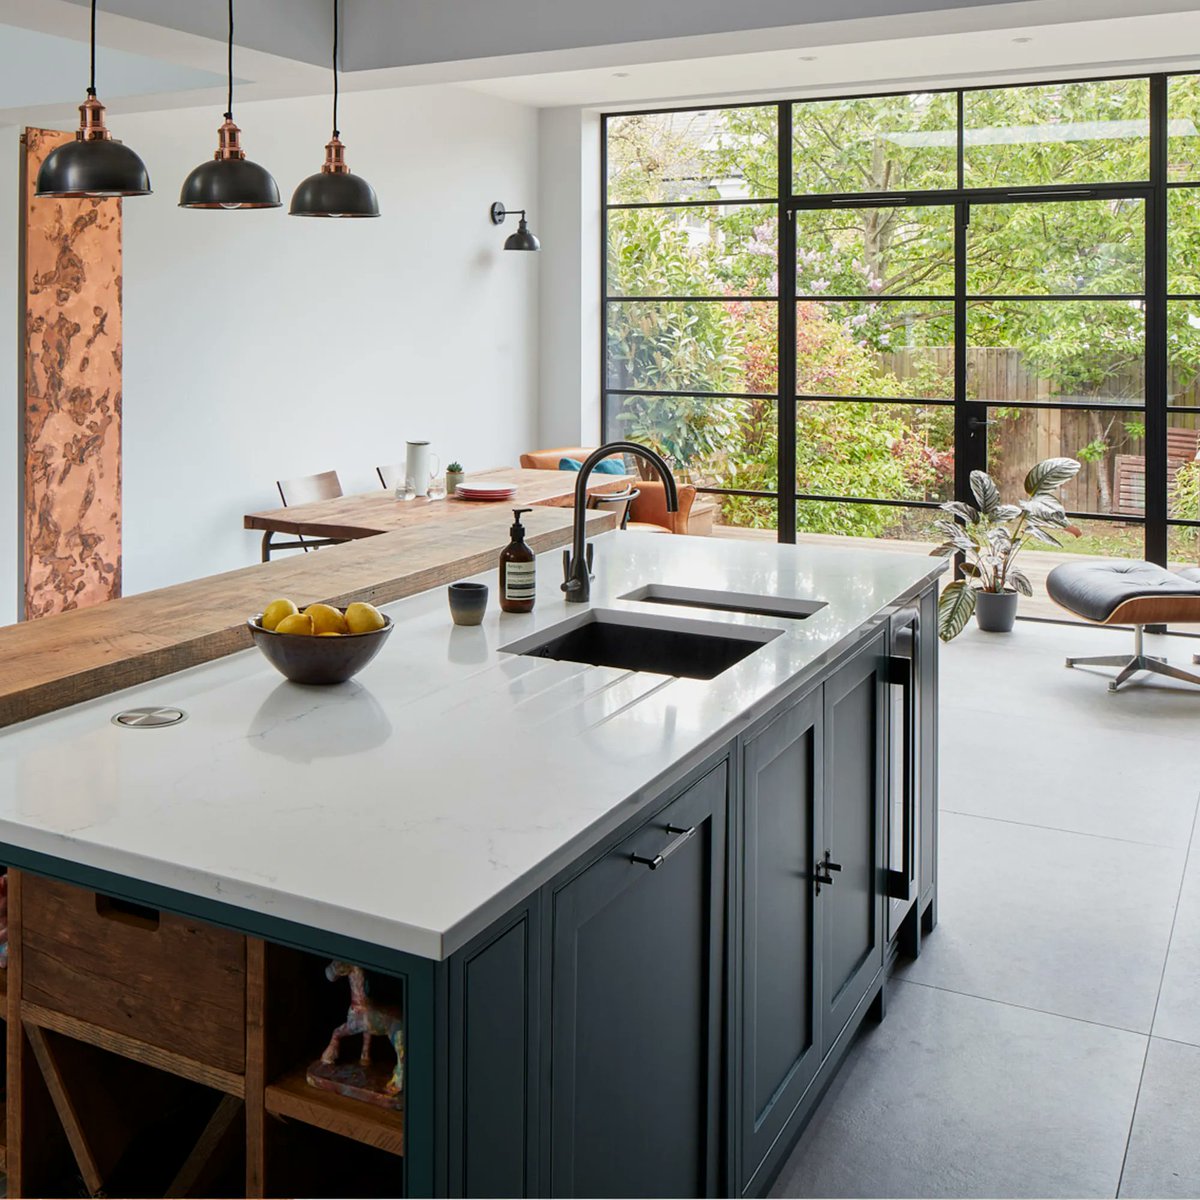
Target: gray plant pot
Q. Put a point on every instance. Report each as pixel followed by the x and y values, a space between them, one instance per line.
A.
pixel 996 612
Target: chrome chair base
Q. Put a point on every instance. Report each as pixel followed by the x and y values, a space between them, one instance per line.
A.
pixel 1132 664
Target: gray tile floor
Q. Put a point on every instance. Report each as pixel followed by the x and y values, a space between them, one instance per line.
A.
pixel 1047 1042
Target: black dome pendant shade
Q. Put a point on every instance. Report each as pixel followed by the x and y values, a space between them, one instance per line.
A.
pixel 94 164
pixel 334 191
pixel 229 180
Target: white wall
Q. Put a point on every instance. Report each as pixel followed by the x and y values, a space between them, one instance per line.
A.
pixel 10 409
pixel 261 346
pixel 568 217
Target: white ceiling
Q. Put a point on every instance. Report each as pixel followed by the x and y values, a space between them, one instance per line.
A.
pixel 42 68
pixel 1125 45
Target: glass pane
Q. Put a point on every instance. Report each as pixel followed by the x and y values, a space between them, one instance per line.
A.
pixel 875 251
pixel 877 144
pixel 887 348
pixel 1108 442
pixel 832 521
pixel 1092 132
pixel 705 346
pixel 1183 545
pixel 877 451
pixel 706 251
pixel 1183 238
pixel 1183 467
pixel 715 154
pixel 1067 248
pixel 1097 539
pixel 1183 353
pixel 1090 351
pixel 709 441
pixel 1183 128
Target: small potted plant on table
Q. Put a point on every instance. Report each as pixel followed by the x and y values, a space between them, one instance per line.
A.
pixel 990 537
pixel 454 476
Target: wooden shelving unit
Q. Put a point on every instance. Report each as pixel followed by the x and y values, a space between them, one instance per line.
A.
pixel 127 1072
pixel 293 1097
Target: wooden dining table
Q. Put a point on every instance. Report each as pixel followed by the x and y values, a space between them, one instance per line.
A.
pixel 369 513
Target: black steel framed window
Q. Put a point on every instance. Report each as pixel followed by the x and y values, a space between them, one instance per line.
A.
pixel 959 164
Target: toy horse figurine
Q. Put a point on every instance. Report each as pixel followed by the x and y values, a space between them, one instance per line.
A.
pixel 370 1020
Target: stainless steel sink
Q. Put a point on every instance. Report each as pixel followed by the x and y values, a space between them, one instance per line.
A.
pixel 742 602
pixel 641 642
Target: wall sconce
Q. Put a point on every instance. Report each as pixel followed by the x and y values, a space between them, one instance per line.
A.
pixel 522 239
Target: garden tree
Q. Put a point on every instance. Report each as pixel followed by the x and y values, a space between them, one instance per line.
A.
pixel 1090 351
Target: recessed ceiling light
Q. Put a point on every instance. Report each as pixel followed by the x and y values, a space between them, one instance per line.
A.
pixel 620 75
pixel 808 58
pixel 1022 40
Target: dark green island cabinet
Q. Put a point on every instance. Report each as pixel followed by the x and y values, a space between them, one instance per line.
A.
pixel 662 1018
pixel 659 1017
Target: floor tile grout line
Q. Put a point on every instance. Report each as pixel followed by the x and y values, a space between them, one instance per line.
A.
pixel 1158 1037
pixel 1104 837
pixel 1044 1012
pixel 1158 994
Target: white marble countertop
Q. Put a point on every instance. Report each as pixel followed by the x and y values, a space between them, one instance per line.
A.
pixel 415 804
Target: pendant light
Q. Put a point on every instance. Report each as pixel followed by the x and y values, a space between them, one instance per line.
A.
pixel 334 191
pixel 229 179
pixel 93 165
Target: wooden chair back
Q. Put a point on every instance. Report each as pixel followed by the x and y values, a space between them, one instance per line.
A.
pixel 308 488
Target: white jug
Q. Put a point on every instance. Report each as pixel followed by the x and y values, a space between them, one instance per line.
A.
pixel 419 464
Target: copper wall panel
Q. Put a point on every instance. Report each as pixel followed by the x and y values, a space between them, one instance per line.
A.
pixel 72 394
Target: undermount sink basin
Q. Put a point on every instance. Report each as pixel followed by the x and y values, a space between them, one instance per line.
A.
pixel 743 602
pixel 637 642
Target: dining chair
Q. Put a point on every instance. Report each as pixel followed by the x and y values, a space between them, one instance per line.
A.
pixel 305 489
pixel 390 475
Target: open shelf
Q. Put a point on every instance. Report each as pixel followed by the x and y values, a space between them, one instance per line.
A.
pixel 292 1096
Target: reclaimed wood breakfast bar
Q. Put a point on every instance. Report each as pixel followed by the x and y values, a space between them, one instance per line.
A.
pixel 575 903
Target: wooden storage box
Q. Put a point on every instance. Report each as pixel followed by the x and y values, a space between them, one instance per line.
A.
pixel 164 980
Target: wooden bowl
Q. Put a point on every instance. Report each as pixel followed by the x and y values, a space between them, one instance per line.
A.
pixel 304 658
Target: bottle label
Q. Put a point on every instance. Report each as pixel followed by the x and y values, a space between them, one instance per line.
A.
pixel 519 581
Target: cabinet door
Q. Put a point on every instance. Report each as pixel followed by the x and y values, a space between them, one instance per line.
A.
pixel 851 906
pixel 781 1044
pixel 636 1011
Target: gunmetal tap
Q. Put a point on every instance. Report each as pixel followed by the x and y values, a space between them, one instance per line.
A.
pixel 577 562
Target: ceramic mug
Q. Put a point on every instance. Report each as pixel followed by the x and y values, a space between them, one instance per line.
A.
pixel 468 602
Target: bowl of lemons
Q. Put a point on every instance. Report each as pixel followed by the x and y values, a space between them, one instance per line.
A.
pixel 319 644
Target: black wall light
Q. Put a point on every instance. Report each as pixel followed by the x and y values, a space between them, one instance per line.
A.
pixel 523 239
pixel 93 164
pixel 229 179
pixel 334 191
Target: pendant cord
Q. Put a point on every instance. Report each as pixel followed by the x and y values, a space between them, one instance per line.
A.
pixel 335 68
pixel 229 94
pixel 92 80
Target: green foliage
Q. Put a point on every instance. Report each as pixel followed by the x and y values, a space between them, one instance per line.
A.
pixel 455 468
pixel 1080 349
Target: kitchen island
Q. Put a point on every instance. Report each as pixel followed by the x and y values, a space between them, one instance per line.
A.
pixel 633 919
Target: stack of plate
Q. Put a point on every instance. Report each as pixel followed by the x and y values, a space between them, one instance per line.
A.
pixel 485 491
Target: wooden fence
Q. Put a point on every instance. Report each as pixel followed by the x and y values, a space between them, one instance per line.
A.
pixel 999 377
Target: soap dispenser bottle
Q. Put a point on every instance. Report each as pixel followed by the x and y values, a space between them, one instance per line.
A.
pixel 518 567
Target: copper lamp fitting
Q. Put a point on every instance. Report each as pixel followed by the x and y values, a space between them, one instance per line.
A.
pixel 335 157
pixel 91 121
pixel 229 141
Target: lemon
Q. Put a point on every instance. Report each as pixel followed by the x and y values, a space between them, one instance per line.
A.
pixel 276 611
pixel 364 618
pixel 296 623
pixel 329 633
pixel 326 618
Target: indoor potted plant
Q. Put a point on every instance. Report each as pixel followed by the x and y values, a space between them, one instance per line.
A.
pixel 454 476
pixel 990 537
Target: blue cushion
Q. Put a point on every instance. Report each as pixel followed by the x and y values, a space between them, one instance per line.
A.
pixel 606 466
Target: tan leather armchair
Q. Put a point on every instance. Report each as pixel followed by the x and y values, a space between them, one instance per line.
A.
pixel 648 512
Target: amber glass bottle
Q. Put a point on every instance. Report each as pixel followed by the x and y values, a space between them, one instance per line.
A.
pixel 518 569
